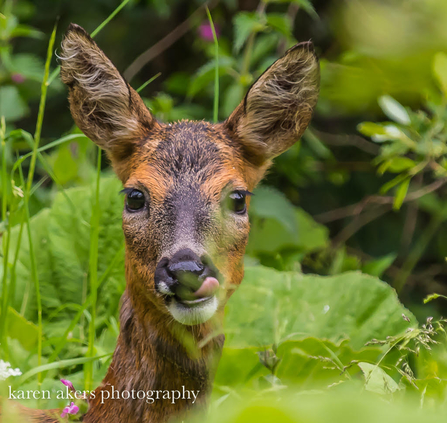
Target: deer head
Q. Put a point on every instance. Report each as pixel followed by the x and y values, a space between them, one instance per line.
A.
pixel 187 184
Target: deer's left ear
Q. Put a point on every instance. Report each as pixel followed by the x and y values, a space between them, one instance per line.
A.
pixel 278 106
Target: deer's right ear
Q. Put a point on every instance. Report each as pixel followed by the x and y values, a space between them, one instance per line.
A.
pixel 102 103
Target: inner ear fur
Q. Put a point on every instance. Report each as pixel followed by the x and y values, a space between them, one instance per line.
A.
pixel 279 105
pixel 102 103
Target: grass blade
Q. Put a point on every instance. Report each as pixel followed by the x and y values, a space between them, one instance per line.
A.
pixel 56 71
pixel 93 271
pixel 59 365
pixel 34 277
pixel 43 97
pixel 142 87
pixel 216 70
pixel 5 238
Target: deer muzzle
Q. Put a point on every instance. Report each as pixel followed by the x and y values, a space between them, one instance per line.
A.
pixel 189 285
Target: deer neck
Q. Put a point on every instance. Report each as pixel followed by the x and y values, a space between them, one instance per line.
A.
pixel 155 356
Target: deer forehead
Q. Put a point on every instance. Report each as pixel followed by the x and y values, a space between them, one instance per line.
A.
pixel 187 158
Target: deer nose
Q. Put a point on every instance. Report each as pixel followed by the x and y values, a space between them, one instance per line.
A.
pixel 185 267
pixel 186 276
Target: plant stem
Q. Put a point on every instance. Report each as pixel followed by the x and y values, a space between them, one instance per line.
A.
pixel 5 239
pixel 43 96
pixel 93 272
pixel 216 69
pixel 251 39
pixel 34 277
pixel 56 71
pixel 142 87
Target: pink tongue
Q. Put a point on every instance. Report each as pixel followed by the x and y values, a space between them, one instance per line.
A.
pixel 209 287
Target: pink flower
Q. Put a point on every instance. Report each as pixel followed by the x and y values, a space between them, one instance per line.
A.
pixel 206 32
pixel 68 384
pixel 18 78
pixel 70 409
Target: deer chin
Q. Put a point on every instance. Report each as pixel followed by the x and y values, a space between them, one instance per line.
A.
pixel 193 312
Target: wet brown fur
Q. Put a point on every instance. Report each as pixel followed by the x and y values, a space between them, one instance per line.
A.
pixel 179 165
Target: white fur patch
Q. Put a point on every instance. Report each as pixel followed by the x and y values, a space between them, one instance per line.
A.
pixel 195 314
pixel 164 289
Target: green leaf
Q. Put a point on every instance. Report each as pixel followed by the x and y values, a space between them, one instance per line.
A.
pixel 269 202
pixel 26 31
pixel 394 110
pixel 245 23
pixel 370 129
pixel 395 181
pixel 432 297
pixel 278 304
pixel 316 144
pixel 399 164
pixel 304 361
pixel 61 239
pixel 21 329
pixel 264 44
pixel 440 71
pixel 278 225
pixel 304 4
pixel 29 66
pixel 12 106
pixel 315 361
pixel 378 266
pixel 233 96
pixel 401 193
pixel 340 404
pixel 307 6
pixel 65 166
pixel 377 380
pixel 60 365
pixel 205 75
pixel 279 22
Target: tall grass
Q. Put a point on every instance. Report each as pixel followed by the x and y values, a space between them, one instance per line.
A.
pixel 216 68
pixel 27 191
pixel 101 26
pixel 93 272
pixel 5 238
pixel 37 136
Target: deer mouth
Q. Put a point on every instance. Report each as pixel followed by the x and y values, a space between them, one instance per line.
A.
pixel 190 300
pixel 193 312
pixel 193 303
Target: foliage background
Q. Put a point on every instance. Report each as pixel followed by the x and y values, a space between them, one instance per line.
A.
pixel 363 191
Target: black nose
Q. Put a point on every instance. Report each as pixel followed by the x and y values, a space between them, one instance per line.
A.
pixel 183 274
pixel 185 265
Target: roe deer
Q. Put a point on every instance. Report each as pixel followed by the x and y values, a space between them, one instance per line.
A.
pixel 185 221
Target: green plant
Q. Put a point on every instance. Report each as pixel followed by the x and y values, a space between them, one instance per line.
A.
pixel 300 347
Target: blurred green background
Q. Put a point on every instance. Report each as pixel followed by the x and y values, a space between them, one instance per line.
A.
pixel 361 197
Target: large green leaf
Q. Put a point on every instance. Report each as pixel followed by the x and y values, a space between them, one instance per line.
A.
pixel 21 329
pixel 245 23
pixel 12 106
pixel 350 405
pixel 277 225
pixel 440 70
pixel 310 362
pixel 61 238
pixel 272 305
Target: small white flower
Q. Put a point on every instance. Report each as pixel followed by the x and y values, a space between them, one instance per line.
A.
pixel 326 309
pixel 6 370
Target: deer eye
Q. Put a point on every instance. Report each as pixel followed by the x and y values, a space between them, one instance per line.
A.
pixel 135 200
pixel 237 202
